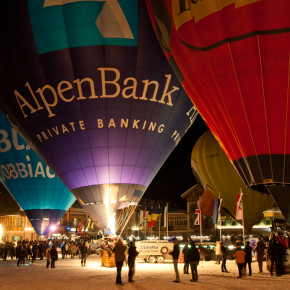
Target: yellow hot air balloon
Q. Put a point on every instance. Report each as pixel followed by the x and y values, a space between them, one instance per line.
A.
pixel 215 172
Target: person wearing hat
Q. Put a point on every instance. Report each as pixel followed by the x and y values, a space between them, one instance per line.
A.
pixel 248 257
pixel 193 259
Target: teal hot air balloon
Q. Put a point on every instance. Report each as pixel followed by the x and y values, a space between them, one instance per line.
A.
pixel 39 192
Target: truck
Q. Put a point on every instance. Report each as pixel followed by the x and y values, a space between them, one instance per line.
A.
pixel 154 251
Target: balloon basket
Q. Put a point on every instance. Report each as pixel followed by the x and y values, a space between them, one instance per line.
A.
pixel 108 260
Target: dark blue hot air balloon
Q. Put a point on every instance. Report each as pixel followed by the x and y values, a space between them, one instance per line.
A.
pixel 42 196
pixel 87 84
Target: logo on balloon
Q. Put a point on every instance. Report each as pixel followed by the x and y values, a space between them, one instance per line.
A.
pixel 60 24
pixel 22 168
pixel 117 27
pixel 184 10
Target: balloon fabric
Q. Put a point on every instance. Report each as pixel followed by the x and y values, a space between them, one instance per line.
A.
pixel 88 86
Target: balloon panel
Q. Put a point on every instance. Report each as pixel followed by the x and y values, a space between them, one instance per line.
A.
pixel 31 182
pixel 96 98
pixel 220 177
pixel 233 60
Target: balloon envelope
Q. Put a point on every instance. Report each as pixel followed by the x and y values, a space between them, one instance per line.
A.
pixel 212 166
pixel 42 196
pixel 232 58
pixel 90 88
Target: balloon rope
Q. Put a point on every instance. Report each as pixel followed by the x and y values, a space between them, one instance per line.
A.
pixel 132 211
pixel 123 214
pixel 265 110
pixel 286 121
pixel 124 217
pixel 244 109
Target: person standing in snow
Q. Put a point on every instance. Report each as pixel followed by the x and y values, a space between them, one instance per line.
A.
pixel 73 250
pixel 248 258
pixel 132 254
pixel 274 254
pixel 84 253
pixel 48 257
pixel 120 257
pixel 224 258
pixel 260 253
pixel 54 256
pixel 193 259
pixel 239 254
pixel 185 259
pixel 175 256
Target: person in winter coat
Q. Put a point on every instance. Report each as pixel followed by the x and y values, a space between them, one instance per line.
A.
pixel 73 250
pixel 224 258
pixel 120 257
pixel 53 256
pixel 12 251
pixel 193 259
pixel 175 255
pixel 62 248
pixel 248 257
pixel 34 251
pixel 132 254
pixel 185 259
pixel 239 254
pixel 84 253
pixel 274 255
pixel 260 253
pixel 48 257
pixel 282 252
pixel 5 251
pixel 40 250
pixel 66 249
pixel 19 254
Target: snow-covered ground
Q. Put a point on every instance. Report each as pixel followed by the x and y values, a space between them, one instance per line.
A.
pixel 69 274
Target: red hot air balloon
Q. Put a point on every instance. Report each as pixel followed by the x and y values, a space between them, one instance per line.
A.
pixel 232 58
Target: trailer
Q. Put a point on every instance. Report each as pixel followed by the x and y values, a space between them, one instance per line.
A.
pixel 154 251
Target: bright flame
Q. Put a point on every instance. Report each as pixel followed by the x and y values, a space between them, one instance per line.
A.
pixel 1 232
pixel 53 228
pixel 112 224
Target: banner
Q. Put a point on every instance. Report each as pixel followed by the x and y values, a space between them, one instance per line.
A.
pixel 239 207
pixel 142 215
pixel 165 214
pixel 149 223
pixel 215 214
pixel 197 217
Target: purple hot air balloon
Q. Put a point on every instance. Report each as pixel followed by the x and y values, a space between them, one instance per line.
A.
pixel 87 84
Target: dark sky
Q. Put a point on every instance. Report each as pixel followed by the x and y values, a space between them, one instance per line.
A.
pixel 175 176
pixel 173 179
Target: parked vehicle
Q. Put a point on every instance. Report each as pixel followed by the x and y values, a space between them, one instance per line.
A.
pixel 154 251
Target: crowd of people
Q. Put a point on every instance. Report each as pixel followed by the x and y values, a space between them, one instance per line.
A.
pixel 275 250
pixel 31 250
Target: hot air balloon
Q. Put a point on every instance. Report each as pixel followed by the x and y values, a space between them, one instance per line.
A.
pixel 38 191
pixel 211 166
pixel 232 58
pixel 88 85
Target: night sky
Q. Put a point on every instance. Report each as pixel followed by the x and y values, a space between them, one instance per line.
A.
pixel 175 176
